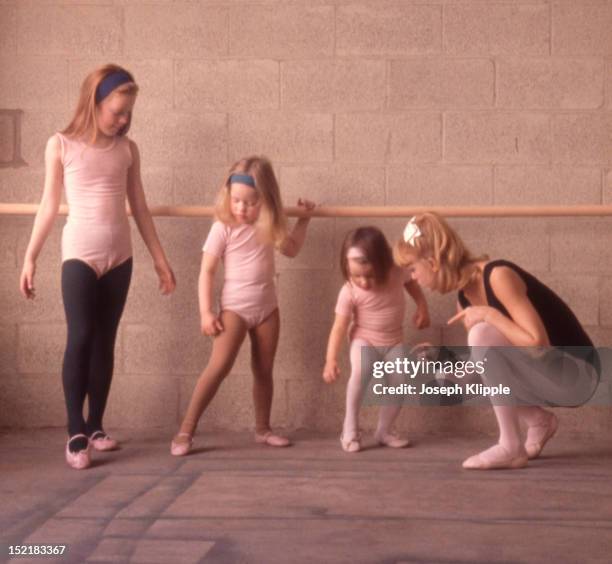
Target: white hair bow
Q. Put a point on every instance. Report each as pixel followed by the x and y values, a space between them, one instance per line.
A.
pixel 411 232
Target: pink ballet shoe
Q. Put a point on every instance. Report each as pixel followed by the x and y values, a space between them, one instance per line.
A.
pixel 390 440
pixel 270 439
pixel 548 429
pixel 101 441
pixel 78 460
pixel 181 447
pixel 351 444
pixel 496 457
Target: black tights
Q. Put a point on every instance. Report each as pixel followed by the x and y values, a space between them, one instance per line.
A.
pixel 93 309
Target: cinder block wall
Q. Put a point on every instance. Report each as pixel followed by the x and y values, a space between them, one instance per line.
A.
pixel 383 103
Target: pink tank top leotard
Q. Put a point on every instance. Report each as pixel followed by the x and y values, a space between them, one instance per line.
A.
pixel 378 314
pixel 249 289
pixel 97 230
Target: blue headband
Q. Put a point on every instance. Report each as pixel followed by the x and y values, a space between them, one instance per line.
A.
pixel 111 82
pixel 242 179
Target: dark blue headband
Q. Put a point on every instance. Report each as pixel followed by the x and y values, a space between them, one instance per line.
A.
pixel 111 82
pixel 243 179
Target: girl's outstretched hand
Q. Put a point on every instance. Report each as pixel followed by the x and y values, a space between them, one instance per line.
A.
pixel 331 371
pixel 470 316
pixel 421 317
pixel 26 280
pixel 167 281
pixel 211 325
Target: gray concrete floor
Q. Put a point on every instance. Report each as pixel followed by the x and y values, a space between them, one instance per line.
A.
pixel 233 501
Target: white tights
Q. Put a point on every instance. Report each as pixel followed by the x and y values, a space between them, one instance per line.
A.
pixel 354 390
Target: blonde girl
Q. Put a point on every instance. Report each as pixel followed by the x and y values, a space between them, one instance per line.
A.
pixel 250 225
pixel 505 309
pixel 99 166
pixel 373 300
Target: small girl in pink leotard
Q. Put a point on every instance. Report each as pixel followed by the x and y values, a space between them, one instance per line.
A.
pixel 250 224
pixel 373 299
pixel 99 167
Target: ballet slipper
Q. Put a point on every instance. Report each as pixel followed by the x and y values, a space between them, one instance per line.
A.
pixel 181 446
pixel 351 443
pixel 78 460
pixel 101 441
pixel 496 457
pixel 271 439
pixel 390 440
pixel 545 432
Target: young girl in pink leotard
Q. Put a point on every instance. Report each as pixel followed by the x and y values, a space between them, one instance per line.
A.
pixel 99 166
pixel 373 300
pixel 250 224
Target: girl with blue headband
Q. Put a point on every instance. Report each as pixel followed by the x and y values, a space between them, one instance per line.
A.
pixel 250 226
pixel 99 167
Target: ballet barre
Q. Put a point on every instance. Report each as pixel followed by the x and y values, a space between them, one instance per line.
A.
pixel 591 210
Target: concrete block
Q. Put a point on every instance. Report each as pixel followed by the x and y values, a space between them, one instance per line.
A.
pixel 157 184
pixel 306 305
pixel 163 31
pixel 441 83
pixel 580 245
pixel 608 83
pixel 69 29
pixel 282 136
pixel 607 186
pixel 492 137
pixel 582 138
pixel 544 185
pixel 333 84
pixel 365 29
pixel 317 252
pixel 24 185
pixel 282 32
pixel 366 137
pixel 36 128
pixel 142 401
pixel 8 349
pixel 8 30
pixel 31 401
pixel 153 76
pixel 198 186
pixel 330 185
pixel 581 28
pixel 178 138
pixel 9 235
pixel 25 78
pixel 438 185
pixel 41 348
pixel 527 244
pixel 8 139
pixel 45 308
pixel 227 85
pixel 550 83
pixel 473 28
pixel 605 302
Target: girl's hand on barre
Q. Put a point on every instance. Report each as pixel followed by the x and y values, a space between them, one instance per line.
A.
pixel 471 316
pixel 306 204
pixel 26 280
pixel 331 371
pixel 211 325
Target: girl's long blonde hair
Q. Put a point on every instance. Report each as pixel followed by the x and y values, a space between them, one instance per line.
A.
pixel 84 123
pixel 455 265
pixel 272 221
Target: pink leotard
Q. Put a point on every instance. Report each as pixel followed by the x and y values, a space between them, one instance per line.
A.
pixel 249 289
pixel 97 230
pixel 378 314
